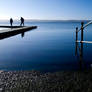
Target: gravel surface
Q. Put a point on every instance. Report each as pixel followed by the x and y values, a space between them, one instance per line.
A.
pixel 34 81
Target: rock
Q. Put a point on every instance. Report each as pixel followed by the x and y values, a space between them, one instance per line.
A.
pixel 1 89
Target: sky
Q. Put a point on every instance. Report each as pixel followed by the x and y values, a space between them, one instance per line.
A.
pixel 46 9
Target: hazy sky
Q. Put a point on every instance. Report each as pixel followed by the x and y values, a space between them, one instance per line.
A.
pixel 46 9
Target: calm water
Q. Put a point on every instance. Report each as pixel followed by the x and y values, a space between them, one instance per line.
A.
pixel 51 47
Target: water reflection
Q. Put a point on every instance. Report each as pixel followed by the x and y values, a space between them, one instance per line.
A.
pixel 79 46
pixel 22 34
pixel 12 33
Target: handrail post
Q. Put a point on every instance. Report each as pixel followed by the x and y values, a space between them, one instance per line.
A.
pixel 76 43
pixel 82 23
pixel 76 34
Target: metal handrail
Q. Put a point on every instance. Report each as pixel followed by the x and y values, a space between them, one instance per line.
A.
pixel 86 25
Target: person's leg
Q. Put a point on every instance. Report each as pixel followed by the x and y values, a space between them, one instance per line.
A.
pixel 23 23
pixel 10 24
pixel 20 24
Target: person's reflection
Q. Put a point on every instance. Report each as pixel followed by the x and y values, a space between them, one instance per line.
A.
pixel 22 34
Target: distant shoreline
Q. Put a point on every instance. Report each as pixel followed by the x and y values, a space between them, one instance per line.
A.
pixel 47 20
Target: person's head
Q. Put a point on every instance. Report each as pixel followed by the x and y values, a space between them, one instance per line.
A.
pixel 21 17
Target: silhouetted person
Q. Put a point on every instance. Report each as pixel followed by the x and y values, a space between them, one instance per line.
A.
pixel 11 21
pixel 22 21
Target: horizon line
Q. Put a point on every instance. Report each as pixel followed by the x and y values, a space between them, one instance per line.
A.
pixel 50 19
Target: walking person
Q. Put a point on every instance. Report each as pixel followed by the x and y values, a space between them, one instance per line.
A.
pixel 22 21
pixel 11 21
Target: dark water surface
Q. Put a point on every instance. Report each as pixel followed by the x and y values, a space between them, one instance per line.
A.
pixel 51 47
